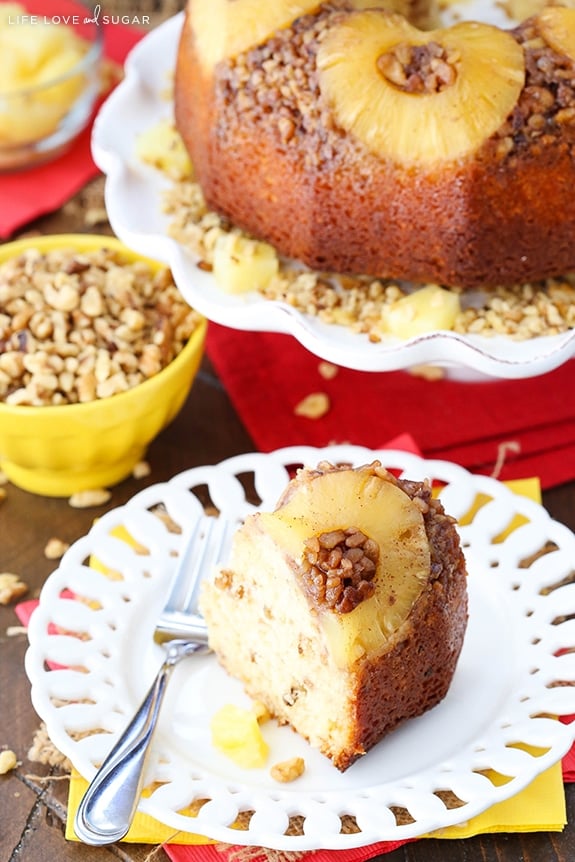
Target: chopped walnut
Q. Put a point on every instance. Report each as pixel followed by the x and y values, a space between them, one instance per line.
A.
pixel 338 568
pixel 428 68
pixel 313 406
pixel 55 548
pixel 88 499
pixel 141 470
pixel 79 326
pixel 288 770
pixel 327 370
pixel 11 588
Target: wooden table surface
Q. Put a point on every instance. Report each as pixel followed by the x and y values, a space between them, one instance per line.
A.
pixel 33 797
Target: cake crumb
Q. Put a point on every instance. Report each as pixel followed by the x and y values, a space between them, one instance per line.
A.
pixel 261 711
pixel 288 770
pixel 11 588
pixel 8 761
pixel 55 548
pixel 3 494
pixel 313 406
pixel 88 499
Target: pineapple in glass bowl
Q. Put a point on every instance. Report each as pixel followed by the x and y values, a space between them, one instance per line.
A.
pixel 50 78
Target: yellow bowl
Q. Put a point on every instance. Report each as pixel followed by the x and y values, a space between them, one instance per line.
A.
pixel 58 450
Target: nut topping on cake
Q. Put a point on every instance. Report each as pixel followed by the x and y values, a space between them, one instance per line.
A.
pixel 426 68
pixel 339 567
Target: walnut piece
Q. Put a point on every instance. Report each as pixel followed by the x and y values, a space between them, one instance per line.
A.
pixel 55 548
pixel 88 499
pixel 11 588
pixel 428 68
pixel 141 470
pixel 288 770
pixel 313 406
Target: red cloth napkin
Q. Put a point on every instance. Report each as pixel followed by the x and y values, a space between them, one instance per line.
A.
pixel 506 428
pixel 220 853
pixel 28 194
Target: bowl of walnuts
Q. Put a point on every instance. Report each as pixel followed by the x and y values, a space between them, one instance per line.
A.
pixel 98 352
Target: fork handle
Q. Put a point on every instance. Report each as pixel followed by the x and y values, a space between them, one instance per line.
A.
pixel 110 802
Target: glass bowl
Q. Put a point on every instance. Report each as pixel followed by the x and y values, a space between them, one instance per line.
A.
pixel 50 77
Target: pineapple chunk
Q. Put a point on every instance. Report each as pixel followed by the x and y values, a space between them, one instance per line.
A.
pixel 241 264
pixel 226 28
pixel 383 512
pixel 34 55
pixel 360 74
pixel 236 733
pixel 162 147
pixel 423 15
pixel 10 11
pixel 426 310
pixel 557 26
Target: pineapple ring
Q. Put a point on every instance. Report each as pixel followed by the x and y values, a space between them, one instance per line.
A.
pixel 384 513
pixel 557 27
pixel 419 128
pixel 229 27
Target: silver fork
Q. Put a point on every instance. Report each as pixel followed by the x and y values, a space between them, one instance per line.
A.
pixel 110 802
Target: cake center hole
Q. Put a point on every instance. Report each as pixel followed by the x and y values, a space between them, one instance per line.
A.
pixel 428 68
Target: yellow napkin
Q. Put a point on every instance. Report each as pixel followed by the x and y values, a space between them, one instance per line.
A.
pixel 540 807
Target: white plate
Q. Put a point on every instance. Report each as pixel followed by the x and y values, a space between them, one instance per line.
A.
pixel 133 201
pixel 500 698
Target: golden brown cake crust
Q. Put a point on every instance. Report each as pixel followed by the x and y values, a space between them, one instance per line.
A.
pixel 278 167
pixel 416 674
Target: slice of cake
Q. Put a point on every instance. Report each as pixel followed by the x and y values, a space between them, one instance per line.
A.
pixel 345 609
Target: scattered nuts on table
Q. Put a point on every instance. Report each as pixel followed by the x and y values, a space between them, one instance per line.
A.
pixel 88 499
pixel 141 470
pixel 55 548
pixel 313 406
pixel 11 588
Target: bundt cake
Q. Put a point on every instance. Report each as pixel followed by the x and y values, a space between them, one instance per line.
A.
pixel 355 140
pixel 344 610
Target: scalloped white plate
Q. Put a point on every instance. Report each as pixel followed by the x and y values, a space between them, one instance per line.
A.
pixel 500 699
pixel 133 201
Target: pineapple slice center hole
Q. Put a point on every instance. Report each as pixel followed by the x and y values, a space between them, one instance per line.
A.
pixel 338 568
pixel 428 68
